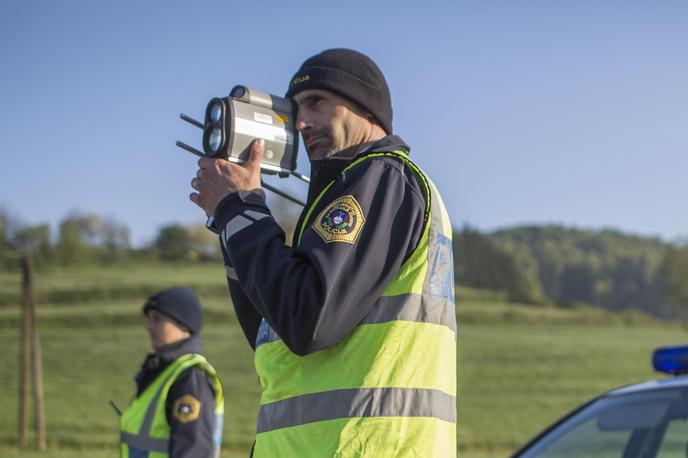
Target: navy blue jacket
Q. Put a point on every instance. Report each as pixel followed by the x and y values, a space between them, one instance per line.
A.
pixel 314 294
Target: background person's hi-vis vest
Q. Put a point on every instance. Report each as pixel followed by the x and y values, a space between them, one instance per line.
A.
pixel 145 432
pixel 389 388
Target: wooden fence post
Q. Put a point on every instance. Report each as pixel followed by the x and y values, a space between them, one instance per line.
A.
pixel 37 369
pixel 24 372
pixel 31 340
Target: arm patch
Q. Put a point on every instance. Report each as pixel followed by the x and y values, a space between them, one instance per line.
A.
pixel 186 409
pixel 340 221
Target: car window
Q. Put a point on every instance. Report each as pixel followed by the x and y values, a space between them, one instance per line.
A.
pixel 587 440
pixel 638 425
pixel 675 443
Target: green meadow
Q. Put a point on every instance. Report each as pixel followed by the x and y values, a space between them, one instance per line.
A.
pixel 520 367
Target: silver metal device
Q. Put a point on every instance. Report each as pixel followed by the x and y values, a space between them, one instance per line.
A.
pixel 232 123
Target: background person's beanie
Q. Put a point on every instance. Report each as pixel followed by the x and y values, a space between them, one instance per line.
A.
pixel 180 304
pixel 350 74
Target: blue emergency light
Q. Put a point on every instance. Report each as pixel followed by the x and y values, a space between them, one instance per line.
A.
pixel 671 360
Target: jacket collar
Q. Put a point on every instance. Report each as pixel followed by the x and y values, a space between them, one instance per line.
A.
pixel 325 170
pixel 388 143
pixel 174 350
pixel 156 362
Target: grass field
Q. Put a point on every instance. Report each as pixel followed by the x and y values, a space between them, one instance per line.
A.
pixel 520 367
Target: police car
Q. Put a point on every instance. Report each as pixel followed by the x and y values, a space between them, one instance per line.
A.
pixel 646 420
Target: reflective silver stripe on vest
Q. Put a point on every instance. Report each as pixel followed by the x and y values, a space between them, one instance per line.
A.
pixel 361 402
pixel 413 307
pixel 404 307
pixel 439 278
pixel 145 443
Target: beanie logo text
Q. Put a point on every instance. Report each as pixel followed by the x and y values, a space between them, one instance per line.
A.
pixel 300 79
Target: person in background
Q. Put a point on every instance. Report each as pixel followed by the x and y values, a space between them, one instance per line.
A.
pixel 178 409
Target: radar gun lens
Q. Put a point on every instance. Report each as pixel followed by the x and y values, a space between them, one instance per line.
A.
pixel 215 140
pixel 216 112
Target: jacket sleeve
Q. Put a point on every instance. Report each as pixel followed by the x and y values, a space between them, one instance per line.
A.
pixel 246 313
pixel 315 294
pixel 190 410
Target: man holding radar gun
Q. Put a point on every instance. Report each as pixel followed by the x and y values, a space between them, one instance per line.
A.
pixel 353 325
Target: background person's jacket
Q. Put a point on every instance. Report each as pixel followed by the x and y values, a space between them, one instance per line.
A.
pixel 188 439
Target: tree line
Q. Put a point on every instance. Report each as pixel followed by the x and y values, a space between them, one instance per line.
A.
pixel 83 238
pixel 554 265
pixel 546 265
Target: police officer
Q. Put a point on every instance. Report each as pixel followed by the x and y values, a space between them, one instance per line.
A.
pixel 178 408
pixel 353 325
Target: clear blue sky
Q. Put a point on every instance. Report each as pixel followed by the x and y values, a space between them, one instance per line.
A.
pixel 571 113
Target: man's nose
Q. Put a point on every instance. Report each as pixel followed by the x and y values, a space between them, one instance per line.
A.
pixel 302 123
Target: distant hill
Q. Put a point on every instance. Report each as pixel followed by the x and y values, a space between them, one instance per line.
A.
pixel 554 264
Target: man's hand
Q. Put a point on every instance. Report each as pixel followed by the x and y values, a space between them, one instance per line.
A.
pixel 216 178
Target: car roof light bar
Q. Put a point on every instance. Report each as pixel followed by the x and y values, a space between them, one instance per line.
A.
pixel 671 360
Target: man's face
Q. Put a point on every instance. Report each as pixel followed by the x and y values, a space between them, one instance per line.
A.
pixel 163 330
pixel 329 123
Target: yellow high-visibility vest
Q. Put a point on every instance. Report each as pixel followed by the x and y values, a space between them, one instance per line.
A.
pixel 144 427
pixel 388 389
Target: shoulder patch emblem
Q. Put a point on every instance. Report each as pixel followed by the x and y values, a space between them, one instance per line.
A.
pixel 341 221
pixel 186 409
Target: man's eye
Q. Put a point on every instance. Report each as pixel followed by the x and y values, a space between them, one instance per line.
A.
pixel 315 101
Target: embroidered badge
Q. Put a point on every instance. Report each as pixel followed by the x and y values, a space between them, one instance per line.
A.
pixel 341 221
pixel 186 409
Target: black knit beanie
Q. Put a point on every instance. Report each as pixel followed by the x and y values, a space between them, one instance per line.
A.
pixel 180 304
pixel 350 74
